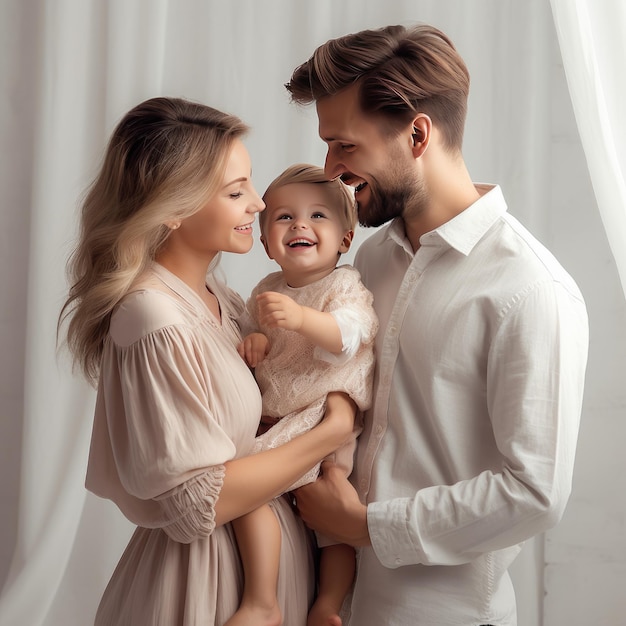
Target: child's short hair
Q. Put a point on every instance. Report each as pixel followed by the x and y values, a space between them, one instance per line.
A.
pixel 340 195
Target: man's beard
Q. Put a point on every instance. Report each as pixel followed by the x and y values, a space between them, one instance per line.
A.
pixel 391 201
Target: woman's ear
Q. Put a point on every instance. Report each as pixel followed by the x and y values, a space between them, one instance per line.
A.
pixel 346 242
pixel 420 134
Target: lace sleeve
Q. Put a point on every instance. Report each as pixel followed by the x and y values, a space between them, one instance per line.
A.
pixel 352 308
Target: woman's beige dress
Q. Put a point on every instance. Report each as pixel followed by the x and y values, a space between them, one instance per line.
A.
pixel 175 402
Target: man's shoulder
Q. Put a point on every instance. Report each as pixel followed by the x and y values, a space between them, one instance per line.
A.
pixel 532 259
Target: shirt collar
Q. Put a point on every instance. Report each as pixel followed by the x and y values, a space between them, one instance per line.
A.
pixel 465 230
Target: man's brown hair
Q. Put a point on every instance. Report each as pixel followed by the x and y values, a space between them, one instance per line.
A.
pixel 400 71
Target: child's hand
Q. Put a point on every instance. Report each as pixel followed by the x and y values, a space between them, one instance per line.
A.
pixel 254 348
pixel 279 311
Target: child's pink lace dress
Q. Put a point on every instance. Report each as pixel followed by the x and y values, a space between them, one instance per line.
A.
pixel 296 376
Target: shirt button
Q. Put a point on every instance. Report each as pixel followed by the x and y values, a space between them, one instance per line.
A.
pixel 398 561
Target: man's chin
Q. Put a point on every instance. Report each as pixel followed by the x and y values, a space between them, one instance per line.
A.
pixel 370 222
pixel 369 217
pixel 363 214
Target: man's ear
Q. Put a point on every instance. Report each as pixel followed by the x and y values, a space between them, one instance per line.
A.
pixel 421 130
pixel 346 242
pixel 267 251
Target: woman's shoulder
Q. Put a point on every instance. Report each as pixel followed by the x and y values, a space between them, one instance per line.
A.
pixel 144 311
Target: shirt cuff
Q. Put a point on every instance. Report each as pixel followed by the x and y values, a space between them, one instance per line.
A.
pixel 389 529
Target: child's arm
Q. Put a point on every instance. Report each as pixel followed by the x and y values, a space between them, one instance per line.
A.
pixel 277 310
pixel 254 348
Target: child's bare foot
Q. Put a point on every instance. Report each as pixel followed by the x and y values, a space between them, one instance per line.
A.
pixel 248 615
pixel 322 614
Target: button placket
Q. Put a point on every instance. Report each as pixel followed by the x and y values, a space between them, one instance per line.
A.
pixel 388 356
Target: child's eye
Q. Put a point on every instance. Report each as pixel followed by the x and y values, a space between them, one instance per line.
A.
pixel 318 215
pixel 283 217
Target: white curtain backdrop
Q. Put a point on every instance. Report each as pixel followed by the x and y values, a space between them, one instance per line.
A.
pixel 69 69
pixel 592 36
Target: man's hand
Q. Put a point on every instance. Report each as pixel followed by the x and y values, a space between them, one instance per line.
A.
pixel 277 310
pixel 332 507
pixel 254 348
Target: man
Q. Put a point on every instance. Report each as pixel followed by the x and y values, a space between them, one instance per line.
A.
pixel 469 447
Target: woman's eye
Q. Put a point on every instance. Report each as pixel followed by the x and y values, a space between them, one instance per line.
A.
pixel 347 147
pixel 236 195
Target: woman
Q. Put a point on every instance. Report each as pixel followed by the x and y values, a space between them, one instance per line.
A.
pixel 177 408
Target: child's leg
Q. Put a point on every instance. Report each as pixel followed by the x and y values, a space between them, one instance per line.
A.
pixel 258 536
pixel 337 567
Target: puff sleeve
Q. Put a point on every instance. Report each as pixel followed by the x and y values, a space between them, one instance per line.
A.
pixel 158 446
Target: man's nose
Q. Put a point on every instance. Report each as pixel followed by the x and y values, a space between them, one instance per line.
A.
pixel 332 166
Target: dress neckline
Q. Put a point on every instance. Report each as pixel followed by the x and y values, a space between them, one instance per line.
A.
pixel 181 288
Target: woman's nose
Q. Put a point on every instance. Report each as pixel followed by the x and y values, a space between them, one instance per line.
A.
pixel 257 204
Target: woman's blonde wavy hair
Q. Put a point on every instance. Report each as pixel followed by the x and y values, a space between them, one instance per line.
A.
pixel 165 160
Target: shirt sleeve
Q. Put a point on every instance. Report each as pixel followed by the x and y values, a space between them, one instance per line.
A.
pixel 534 388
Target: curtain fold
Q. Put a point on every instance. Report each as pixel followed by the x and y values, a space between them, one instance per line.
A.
pixel 84 79
pixel 592 37
pixel 56 407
